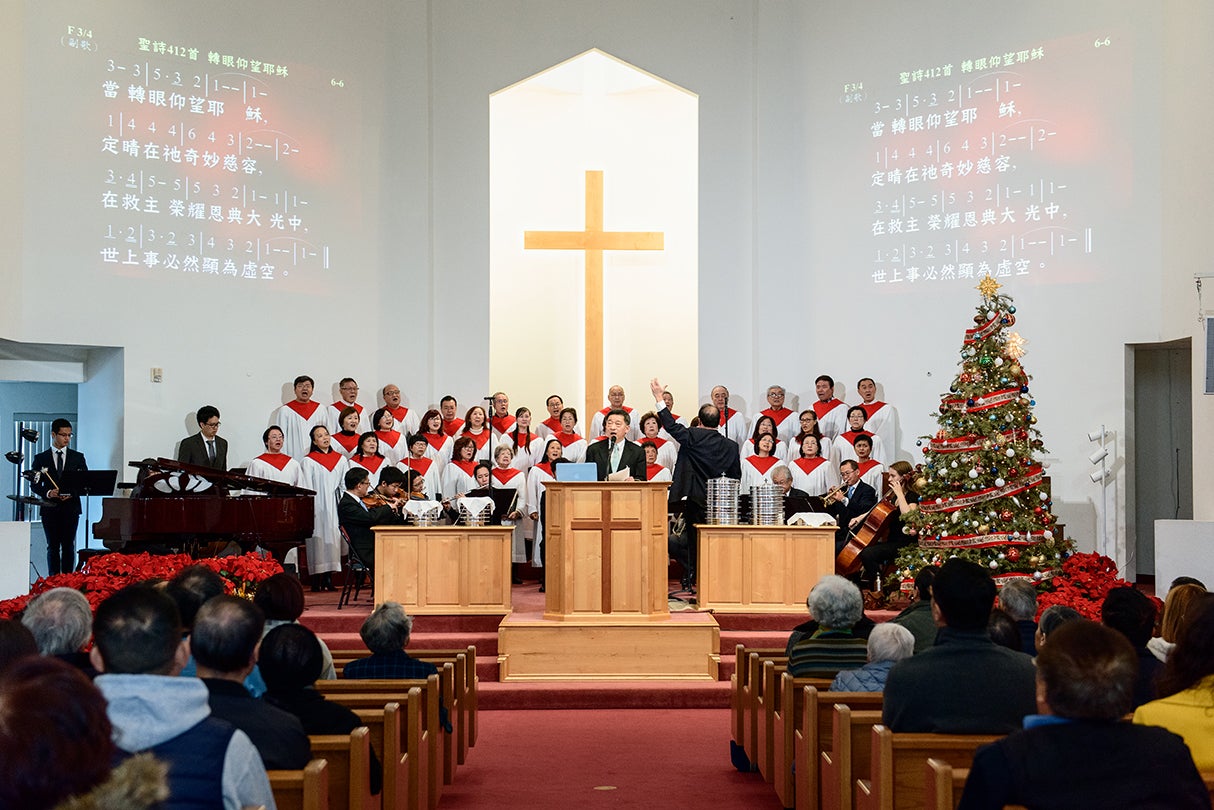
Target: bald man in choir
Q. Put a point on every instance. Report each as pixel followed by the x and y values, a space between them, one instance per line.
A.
pixel 617 458
pixel 733 424
pixel 615 401
pixel 406 421
pixel 206 448
pixel 298 417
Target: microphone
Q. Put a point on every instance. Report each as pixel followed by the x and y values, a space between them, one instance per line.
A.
pixel 610 444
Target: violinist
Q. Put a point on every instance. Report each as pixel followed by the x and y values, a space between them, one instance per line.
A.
pixel 357 518
pixel 903 496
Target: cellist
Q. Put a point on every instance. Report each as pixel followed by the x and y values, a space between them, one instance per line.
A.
pixel 902 495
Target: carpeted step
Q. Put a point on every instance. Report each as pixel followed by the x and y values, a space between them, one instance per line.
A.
pixel 604 695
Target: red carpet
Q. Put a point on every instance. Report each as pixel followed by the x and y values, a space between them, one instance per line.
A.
pixel 619 758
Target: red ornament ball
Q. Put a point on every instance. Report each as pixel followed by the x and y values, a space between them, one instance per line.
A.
pixel 1013 554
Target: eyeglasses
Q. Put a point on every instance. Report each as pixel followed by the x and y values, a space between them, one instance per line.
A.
pixel 211 424
pixel 63 435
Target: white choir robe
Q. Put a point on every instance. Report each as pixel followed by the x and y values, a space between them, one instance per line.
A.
pixel 756 470
pixel 510 478
pixel 297 420
pixel 407 420
pixel 883 421
pixel 871 474
pixel 788 422
pixel 438 447
pixel 550 427
pixel 324 546
pixel 346 445
pixel 501 425
pixel 662 431
pixel 524 456
pixel 458 478
pixel 780 451
pixel 734 428
pixel 656 472
pixel 668 450
pixel 600 417
pixel 392 445
pixel 794 449
pixel 372 464
pixel 845 447
pixel 431 472
pixel 574 446
pixel 484 445
pixel 537 476
pixel 832 417
pixel 277 467
pixel 814 476
pixel 333 412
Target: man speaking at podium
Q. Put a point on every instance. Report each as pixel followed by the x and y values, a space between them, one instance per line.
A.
pixel 617 458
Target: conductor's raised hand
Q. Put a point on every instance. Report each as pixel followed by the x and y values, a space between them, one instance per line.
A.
pixel 657 388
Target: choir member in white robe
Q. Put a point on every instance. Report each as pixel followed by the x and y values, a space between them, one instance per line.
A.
pixel 430 470
pixel 552 425
pixel 274 464
pixel 615 399
pixel 298 417
pixel 811 473
pixel 368 457
pixel 325 470
pixel 460 475
pixel 452 424
pixel 733 424
pixel 406 420
pixel 391 441
pixel 526 446
pixel 831 412
pixel 345 439
pixel 438 443
pixel 757 469
pixel 809 427
pixel 501 422
pixel 573 446
pixel 844 446
pixel 870 469
pixel 476 427
pixel 540 474
pixel 668 398
pixel 653 470
pixel 785 418
pixel 505 476
pixel 882 419
pixel 651 431
pixel 348 390
pixel 764 426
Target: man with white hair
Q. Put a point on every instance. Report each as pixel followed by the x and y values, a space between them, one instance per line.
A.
pixel 61 622
pixel 887 644
pixel 732 424
pixel 835 603
pixel 1018 599
pixel 786 420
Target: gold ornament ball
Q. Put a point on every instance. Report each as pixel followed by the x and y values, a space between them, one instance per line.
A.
pixel 983 529
pixel 920 483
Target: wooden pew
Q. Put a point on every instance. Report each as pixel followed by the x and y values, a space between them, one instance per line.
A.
pixel 741 685
pixel 788 721
pixel 349 758
pixel 752 692
pixel 779 703
pixel 301 790
pixel 847 756
pixel 813 734
pixel 943 786
pixel 404 763
pixel 899 765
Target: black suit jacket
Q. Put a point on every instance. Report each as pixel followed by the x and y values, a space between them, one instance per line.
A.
pixel 193 450
pixel 357 520
pixel 703 453
pixel 72 461
pixel 861 503
pixel 632 457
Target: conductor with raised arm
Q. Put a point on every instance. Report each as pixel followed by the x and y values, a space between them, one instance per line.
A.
pixel 703 453
pixel 206 448
pixel 60 520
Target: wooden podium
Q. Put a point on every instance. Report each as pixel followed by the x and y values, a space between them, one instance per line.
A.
pixel 607 614
pixel 762 569
pixel 449 570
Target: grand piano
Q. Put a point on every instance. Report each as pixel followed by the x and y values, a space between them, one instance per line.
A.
pixel 185 507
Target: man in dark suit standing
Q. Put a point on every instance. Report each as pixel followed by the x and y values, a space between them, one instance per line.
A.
pixel 205 448
pixel 59 521
pixel 851 503
pixel 703 453
pixel 616 453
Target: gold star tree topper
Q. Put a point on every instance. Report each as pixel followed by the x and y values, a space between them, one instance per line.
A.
pixel 988 287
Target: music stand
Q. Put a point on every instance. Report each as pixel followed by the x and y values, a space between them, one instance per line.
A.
pixel 82 484
pixel 503 500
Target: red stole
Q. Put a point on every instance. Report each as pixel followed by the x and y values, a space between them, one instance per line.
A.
pixel 553 424
pixel 372 463
pixel 808 465
pixel 348 442
pixel 421 465
pixel 388 437
pixel 651 470
pixel 526 440
pixel 341 405
pixel 504 476
pixel 327 460
pixel 871 407
pixel 546 467
pixel 479 439
pixel 865 466
pixel 852 435
pixel 436 440
pixel 762 463
pixel 502 424
pixel 304 409
pixel 657 442
pixel 452 426
pixel 779 415
pixel 567 439
pixel 728 413
pixel 398 413
pixel 469 467
pixel 822 408
pixel 276 460
pixel 609 409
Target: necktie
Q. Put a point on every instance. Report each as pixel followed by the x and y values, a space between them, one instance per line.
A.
pixel 850 491
pixel 211 449
pixel 615 456
pixel 59 461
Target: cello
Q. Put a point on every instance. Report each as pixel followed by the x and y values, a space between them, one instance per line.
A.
pixel 874 529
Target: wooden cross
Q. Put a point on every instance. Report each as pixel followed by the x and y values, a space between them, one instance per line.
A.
pixel 605 524
pixel 593 240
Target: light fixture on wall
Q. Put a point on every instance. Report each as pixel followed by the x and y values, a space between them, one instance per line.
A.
pixel 1102 476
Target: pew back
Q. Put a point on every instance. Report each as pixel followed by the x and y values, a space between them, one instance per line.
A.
pixel 899 765
pixel 848 755
pixel 349 758
pixel 306 789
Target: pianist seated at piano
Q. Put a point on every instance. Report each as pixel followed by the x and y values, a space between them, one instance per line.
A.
pixel 275 464
pixel 206 448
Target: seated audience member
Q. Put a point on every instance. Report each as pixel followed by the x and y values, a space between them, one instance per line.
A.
pixel 291 660
pixel 1003 630
pixel 887 644
pixel 918 617
pixel 1186 686
pixel 1051 619
pixel 224 643
pixel 1018 598
pixel 16 642
pixel 62 623
pixel 1132 613
pixel 1175 609
pixel 281 599
pixel 836 605
pixel 1076 752
pixel 139 650
pixel 56 749
pixel 949 689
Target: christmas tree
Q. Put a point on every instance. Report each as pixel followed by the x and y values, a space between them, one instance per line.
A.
pixel 982 493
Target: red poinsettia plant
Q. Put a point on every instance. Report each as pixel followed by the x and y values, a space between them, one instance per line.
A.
pixel 108 573
pixel 1083 584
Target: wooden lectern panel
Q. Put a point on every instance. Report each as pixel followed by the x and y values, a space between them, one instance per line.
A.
pixel 762 569
pixel 444 569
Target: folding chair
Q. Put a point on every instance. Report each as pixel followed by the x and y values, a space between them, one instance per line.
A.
pixel 358 574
